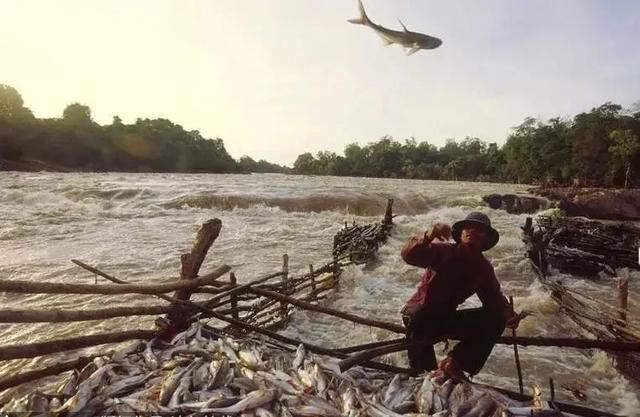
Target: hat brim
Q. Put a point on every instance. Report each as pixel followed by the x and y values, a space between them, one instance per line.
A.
pixel 492 234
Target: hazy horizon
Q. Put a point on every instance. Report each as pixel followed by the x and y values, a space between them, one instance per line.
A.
pixel 276 79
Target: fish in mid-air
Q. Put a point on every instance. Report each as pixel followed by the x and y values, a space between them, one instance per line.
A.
pixel 414 41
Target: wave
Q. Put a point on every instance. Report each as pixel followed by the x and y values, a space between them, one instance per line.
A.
pixel 356 205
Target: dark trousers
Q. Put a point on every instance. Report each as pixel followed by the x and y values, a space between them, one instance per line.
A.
pixel 478 329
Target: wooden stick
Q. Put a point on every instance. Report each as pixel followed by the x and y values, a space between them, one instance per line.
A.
pixel 515 351
pixel 111 278
pixel 63 288
pixel 60 316
pixel 190 266
pixel 313 348
pixel 313 307
pixel 285 279
pixel 214 302
pixel 373 353
pixel 366 346
pixel 623 297
pixel 17 379
pixel 565 407
pixel 32 350
pixel 234 302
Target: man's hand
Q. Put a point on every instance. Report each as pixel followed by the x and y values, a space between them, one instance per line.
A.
pixel 440 231
pixel 513 321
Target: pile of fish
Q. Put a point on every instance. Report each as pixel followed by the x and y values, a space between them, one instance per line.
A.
pixel 201 372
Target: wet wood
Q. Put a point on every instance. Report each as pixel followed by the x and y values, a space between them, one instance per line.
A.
pixel 190 266
pixel 61 316
pixel 31 350
pixel 33 375
pixel 17 286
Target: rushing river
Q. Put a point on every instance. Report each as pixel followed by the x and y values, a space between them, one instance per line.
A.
pixel 135 226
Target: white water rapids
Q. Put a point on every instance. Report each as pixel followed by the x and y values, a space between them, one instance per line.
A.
pixel 135 226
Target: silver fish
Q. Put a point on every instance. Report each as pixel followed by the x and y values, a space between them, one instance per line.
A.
pixel 309 411
pixel 485 406
pixel 149 358
pixel 69 386
pixel 178 394
pixel 78 401
pixel 173 380
pixel 124 385
pixel 299 358
pixel 424 396
pixel 414 41
pixel 218 370
pixel 254 399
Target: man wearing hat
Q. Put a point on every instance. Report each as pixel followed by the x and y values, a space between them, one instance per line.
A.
pixel 455 271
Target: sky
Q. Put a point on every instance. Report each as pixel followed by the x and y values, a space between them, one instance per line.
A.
pixel 278 78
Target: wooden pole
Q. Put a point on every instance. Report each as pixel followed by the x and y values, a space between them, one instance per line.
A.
pixel 60 316
pixel 366 346
pixel 190 266
pixel 332 312
pixel 515 352
pixel 18 286
pixel 32 350
pixel 285 282
pixel 313 278
pixel 565 407
pixel 111 278
pixel 234 302
pixel 623 298
pixel 17 379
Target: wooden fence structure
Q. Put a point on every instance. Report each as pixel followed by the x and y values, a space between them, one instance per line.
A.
pixel 259 306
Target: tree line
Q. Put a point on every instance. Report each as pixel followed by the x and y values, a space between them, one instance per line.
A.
pixel 76 142
pixel 595 148
pixel 600 147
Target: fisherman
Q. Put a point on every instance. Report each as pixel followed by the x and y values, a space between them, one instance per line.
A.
pixel 454 272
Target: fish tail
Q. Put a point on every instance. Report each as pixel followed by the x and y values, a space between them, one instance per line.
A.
pixel 363 19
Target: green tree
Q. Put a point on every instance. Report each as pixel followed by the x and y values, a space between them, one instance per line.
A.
pixel 12 105
pixel 77 114
pixel 624 150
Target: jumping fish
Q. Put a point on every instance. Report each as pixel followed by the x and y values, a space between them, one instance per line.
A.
pixel 414 41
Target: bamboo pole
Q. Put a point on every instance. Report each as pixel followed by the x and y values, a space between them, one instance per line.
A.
pixel 32 350
pixel 110 289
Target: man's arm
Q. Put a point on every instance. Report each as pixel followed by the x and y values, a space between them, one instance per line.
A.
pixel 492 298
pixel 422 252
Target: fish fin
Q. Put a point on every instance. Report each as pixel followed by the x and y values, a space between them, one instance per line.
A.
pixel 363 19
pixel 403 26
pixel 386 42
pixel 412 51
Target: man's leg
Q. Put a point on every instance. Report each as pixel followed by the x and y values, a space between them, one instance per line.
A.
pixel 478 330
pixel 423 326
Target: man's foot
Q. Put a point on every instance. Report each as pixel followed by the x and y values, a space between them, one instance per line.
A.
pixel 449 368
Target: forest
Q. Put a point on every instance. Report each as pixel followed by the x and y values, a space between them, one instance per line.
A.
pixel 600 147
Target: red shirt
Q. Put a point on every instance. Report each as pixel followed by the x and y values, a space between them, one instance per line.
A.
pixel 451 278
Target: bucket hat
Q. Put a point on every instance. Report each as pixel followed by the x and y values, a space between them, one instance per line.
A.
pixel 475 217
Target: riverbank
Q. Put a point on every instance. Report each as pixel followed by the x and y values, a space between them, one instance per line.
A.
pixel 594 203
